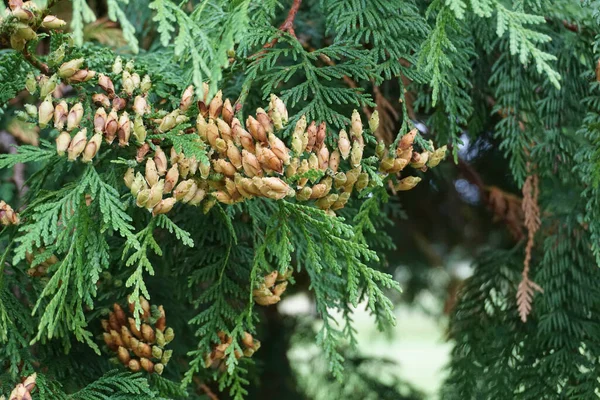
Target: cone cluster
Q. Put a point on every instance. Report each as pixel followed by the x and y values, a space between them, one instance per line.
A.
pixel 23 390
pixel 40 268
pixel 143 347
pixel 270 290
pixel 244 161
pixel 216 358
pixel 23 19
pixel 8 216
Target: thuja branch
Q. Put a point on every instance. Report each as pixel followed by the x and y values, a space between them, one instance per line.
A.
pixel 288 24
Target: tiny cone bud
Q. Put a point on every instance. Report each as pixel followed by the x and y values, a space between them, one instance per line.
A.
pixel 151 172
pixel 362 181
pixel 187 98
pixel 297 144
pixel 437 156
pixel 374 121
pixel 148 333
pixel 119 103
pixel 201 127
pixel 280 288
pixel 155 196
pixel 142 198
pixel 52 22
pixel 264 120
pixel 224 129
pixel 47 85
pixel 127 82
pixel 312 136
pixel 234 155
pixel 184 188
pixel 31 83
pixel 169 335
pixel 227 112
pixel 23 14
pixel 8 216
pixel 222 197
pixel 167 354
pixel 159 368
pixel 24 32
pixel 278 112
pixel 101 99
pixel 160 159
pixel 216 104
pixel 302 169
pixel 245 138
pixel 340 180
pixel 256 129
pixel 250 164
pixel 117 66
pixel 380 149
pixel 334 160
pixel 17 43
pixel 123 355
pixel 304 194
pixel 344 144
pixel 407 183
pixel 164 206
pixel 270 160
pixel 106 84
pixel 134 365
pixel 292 168
pixel 407 140
pixel 124 129
pixel 224 167
pixel 356 153
pixel 129 66
pixel 77 144
pixel 74 117
pixel 386 164
pixel 356 126
pixel 419 160
pixel 321 134
pixel 69 68
pixel 399 164
pixel 45 112
pixel 92 147
pixel 62 143
pixel 145 84
pixel 100 119
pixel 248 340
pixel 198 197
pixel 139 130
pixel 129 177
pixel 60 115
pixel 160 324
pixel 313 162
pixel 140 105
pixel 171 179
pixel 212 133
pixel 323 157
pixel 82 75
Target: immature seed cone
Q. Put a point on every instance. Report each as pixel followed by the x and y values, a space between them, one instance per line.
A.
pixel 140 105
pixel 74 117
pixel 100 119
pixel 407 140
pixel 227 112
pixel 77 144
pixel 216 104
pixel 187 98
pixel 344 144
pixel 8 216
pixel 92 147
pixel 82 75
pixel 160 159
pixel 52 22
pixel 101 99
pixel 151 172
pixel 407 183
pixel 69 68
pixel 312 136
pixel 119 103
pixel 45 112
pixel 106 84
pixel 62 143
pixel 124 129
pixel 60 115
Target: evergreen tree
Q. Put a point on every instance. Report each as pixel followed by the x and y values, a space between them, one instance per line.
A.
pixel 180 168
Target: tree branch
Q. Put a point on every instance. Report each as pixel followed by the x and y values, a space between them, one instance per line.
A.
pixel 33 60
pixel 288 24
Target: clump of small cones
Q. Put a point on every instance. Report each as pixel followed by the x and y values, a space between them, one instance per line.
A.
pixel 23 390
pixel 38 268
pixel 143 347
pixel 270 290
pixel 26 19
pixel 217 357
pixel 241 161
pixel 8 216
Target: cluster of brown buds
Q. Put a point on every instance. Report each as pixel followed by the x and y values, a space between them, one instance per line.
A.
pixel 8 216
pixel 40 268
pixel 140 347
pixel 216 358
pixel 23 19
pixel 270 290
pixel 23 390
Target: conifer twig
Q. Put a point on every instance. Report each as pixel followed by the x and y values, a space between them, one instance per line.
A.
pixel 288 24
pixel 527 287
pixel 205 389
